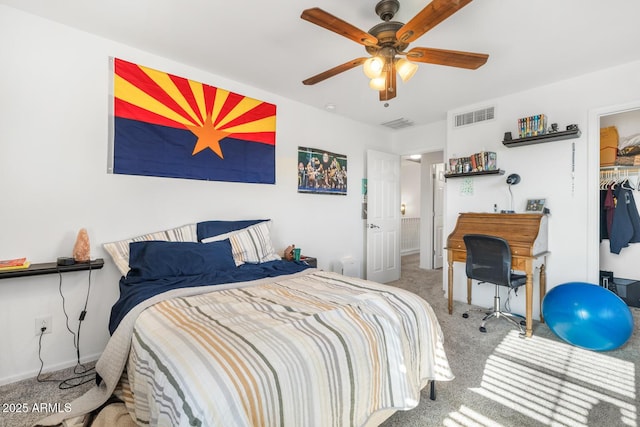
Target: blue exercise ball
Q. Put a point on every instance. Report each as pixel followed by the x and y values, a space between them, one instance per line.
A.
pixel 587 316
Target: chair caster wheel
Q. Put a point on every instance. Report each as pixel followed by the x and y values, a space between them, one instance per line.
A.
pixel 465 315
pixel 483 329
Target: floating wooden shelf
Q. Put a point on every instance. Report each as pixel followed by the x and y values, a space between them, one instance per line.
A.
pixel 52 268
pixel 539 139
pixel 461 175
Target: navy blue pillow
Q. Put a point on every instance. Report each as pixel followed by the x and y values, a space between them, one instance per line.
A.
pixel 155 259
pixel 215 228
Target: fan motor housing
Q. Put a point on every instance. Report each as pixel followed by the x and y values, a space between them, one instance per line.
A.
pixel 385 32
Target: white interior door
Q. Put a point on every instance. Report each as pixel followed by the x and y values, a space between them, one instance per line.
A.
pixel 383 216
pixel 438 208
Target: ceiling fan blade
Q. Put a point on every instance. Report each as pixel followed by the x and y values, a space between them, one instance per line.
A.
pixel 390 87
pixel 335 70
pixel 326 20
pixel 433 14
pixel 451 58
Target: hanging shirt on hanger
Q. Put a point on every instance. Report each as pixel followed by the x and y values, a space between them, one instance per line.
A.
pixel 635 218
pixel 604 227
pixel 625 227
pixel 609 207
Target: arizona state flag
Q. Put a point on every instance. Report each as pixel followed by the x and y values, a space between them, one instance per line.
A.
pixel 170 126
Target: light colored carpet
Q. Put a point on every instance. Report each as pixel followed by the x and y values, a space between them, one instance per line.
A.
pixel 501 380
pixel 27 401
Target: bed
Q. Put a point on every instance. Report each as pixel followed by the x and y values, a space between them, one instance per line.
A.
pixel 220 331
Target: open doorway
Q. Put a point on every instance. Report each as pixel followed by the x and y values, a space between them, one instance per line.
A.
pixel 421 205
pixel 410 204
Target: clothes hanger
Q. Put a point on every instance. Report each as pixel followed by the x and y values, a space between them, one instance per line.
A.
pixel 625 182
pixel 626 185
pixel 605 179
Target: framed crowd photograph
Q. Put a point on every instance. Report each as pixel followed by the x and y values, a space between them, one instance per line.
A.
pixel 535 205
pixel 321 172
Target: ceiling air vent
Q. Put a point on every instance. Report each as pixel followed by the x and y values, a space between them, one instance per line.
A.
pixel 472 117
pixel 398 123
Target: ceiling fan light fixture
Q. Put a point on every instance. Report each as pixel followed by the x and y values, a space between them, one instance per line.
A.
pixel 378 83
pixel 373 67
pixel 387 44
pixel 406 69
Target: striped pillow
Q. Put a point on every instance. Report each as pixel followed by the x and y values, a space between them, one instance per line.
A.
pixel 119 250
pixel 252 244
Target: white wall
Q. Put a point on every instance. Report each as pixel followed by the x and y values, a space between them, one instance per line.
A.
pixel 54 83
pixel 627 124
pixel 420 139
pixel 546 171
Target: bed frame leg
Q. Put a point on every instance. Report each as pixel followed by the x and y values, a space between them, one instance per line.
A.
pixel 432 391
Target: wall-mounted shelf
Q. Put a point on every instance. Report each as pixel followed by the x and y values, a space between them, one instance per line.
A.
pixel 461 175
pixel 51 268
pixel 539 139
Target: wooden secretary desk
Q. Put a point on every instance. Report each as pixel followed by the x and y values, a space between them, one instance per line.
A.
pixel 527 237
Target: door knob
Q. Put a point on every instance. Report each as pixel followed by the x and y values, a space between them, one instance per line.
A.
pixel 373 226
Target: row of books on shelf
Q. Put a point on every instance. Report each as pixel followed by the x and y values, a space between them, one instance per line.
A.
pixel 14 264
pixel 478 162
pixel 532 125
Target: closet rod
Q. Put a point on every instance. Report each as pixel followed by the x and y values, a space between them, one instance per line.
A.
pixel 619 168
pixel 619 175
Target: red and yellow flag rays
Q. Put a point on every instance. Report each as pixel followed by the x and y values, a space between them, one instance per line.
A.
pixel 210 113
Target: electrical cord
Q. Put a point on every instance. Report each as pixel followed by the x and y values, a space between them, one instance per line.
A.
pixel 81 376
pixel 64 310
pixel 507 303
pixel 83 314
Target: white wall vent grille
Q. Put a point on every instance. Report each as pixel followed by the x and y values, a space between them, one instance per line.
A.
pixel 472 117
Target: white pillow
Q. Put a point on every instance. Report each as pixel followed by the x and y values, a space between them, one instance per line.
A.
pixel 252 244
pixel 119 250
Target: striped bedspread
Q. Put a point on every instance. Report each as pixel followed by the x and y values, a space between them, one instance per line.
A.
pixel 317 349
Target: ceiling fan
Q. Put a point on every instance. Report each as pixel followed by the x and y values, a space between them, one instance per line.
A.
pixel 387 41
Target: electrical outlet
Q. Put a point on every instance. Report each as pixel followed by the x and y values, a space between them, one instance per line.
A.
pixel 44 321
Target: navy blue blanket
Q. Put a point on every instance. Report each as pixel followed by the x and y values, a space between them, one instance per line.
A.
pixel 134 289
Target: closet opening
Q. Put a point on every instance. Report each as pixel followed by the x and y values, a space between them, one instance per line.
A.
pixel 619 194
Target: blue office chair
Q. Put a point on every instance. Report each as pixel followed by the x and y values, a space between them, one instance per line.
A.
pixel 489 260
